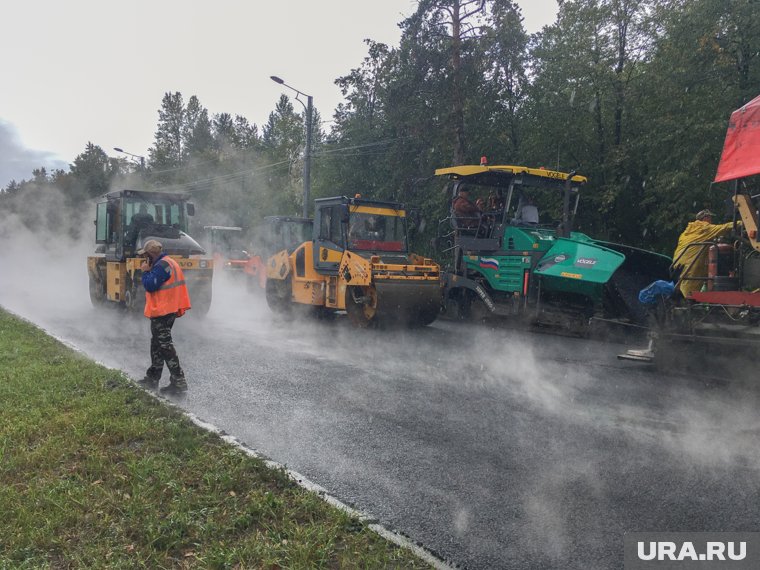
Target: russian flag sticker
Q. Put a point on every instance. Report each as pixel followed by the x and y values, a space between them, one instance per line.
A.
pixel 489 263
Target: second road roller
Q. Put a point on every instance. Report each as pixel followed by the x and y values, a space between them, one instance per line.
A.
pixel 358 262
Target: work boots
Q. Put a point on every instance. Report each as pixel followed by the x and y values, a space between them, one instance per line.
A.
pixel 149 382
pixel 177 385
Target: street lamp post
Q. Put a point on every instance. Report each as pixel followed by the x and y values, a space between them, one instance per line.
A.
pixel 307 153
pixel 142 158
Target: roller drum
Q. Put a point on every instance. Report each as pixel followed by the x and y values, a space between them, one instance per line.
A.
pixel 408 303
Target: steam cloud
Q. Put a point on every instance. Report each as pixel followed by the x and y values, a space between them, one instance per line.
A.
pixel 556 393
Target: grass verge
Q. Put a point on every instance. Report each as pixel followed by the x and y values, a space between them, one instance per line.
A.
pixel 95 473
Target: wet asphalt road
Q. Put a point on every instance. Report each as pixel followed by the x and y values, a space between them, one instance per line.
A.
pixel 491 448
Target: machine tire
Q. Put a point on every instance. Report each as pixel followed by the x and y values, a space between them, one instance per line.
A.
pixel 427 315
pixel 201 304
pixel 452 308
pixel 470 308
pixel 361 315
pixel 129 299
pixel 97 293
pixel 478 312
pixel 134 295
pixel 278 295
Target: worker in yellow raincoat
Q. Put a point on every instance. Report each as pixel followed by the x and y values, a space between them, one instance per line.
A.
pixel 693 263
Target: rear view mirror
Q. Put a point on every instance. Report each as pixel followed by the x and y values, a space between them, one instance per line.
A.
pixel 190 209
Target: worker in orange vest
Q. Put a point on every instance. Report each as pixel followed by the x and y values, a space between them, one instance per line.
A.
pixel 166 299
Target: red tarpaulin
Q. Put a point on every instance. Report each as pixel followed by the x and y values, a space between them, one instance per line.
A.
pixel 741 151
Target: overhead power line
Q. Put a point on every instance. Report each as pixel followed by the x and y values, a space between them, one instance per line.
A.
pixel 224 177
pixel 359 146
pixel 236 175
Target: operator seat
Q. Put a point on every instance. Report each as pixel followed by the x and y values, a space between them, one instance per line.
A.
pixel 142 219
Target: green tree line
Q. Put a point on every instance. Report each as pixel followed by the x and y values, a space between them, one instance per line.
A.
pixel 633 94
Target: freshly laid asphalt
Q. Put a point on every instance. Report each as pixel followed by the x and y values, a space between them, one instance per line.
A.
pixel 491 448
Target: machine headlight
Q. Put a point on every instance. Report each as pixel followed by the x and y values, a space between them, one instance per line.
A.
pixel 203 264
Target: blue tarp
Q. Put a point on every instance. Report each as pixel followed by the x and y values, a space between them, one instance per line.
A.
pixel 652 292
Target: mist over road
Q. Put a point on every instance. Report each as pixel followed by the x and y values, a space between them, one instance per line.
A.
pixel 492 448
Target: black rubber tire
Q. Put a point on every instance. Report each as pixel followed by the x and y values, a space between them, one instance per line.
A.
pixel 134 295
pixel 471 308
pixel 278 295
pixel 427 315
pixel 97 293
pixel 201 305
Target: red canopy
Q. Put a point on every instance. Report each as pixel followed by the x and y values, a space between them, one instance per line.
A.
pixel 741 151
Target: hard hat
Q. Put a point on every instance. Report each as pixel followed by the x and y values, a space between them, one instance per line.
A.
pixel 150 246
pixel 704 214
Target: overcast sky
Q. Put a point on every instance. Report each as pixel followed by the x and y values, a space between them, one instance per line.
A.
pixel 96 70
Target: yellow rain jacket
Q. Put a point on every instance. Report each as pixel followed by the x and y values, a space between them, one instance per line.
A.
pixel 696 232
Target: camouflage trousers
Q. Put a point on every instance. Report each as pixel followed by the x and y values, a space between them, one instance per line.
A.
pixel 162 349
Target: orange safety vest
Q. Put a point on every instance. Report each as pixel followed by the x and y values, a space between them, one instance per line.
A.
pixel 171 297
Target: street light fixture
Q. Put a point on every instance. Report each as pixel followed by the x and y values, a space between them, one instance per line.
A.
pixel 307 153
pixel 142 158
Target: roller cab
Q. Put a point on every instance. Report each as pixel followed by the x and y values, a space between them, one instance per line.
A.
pixel 124 221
